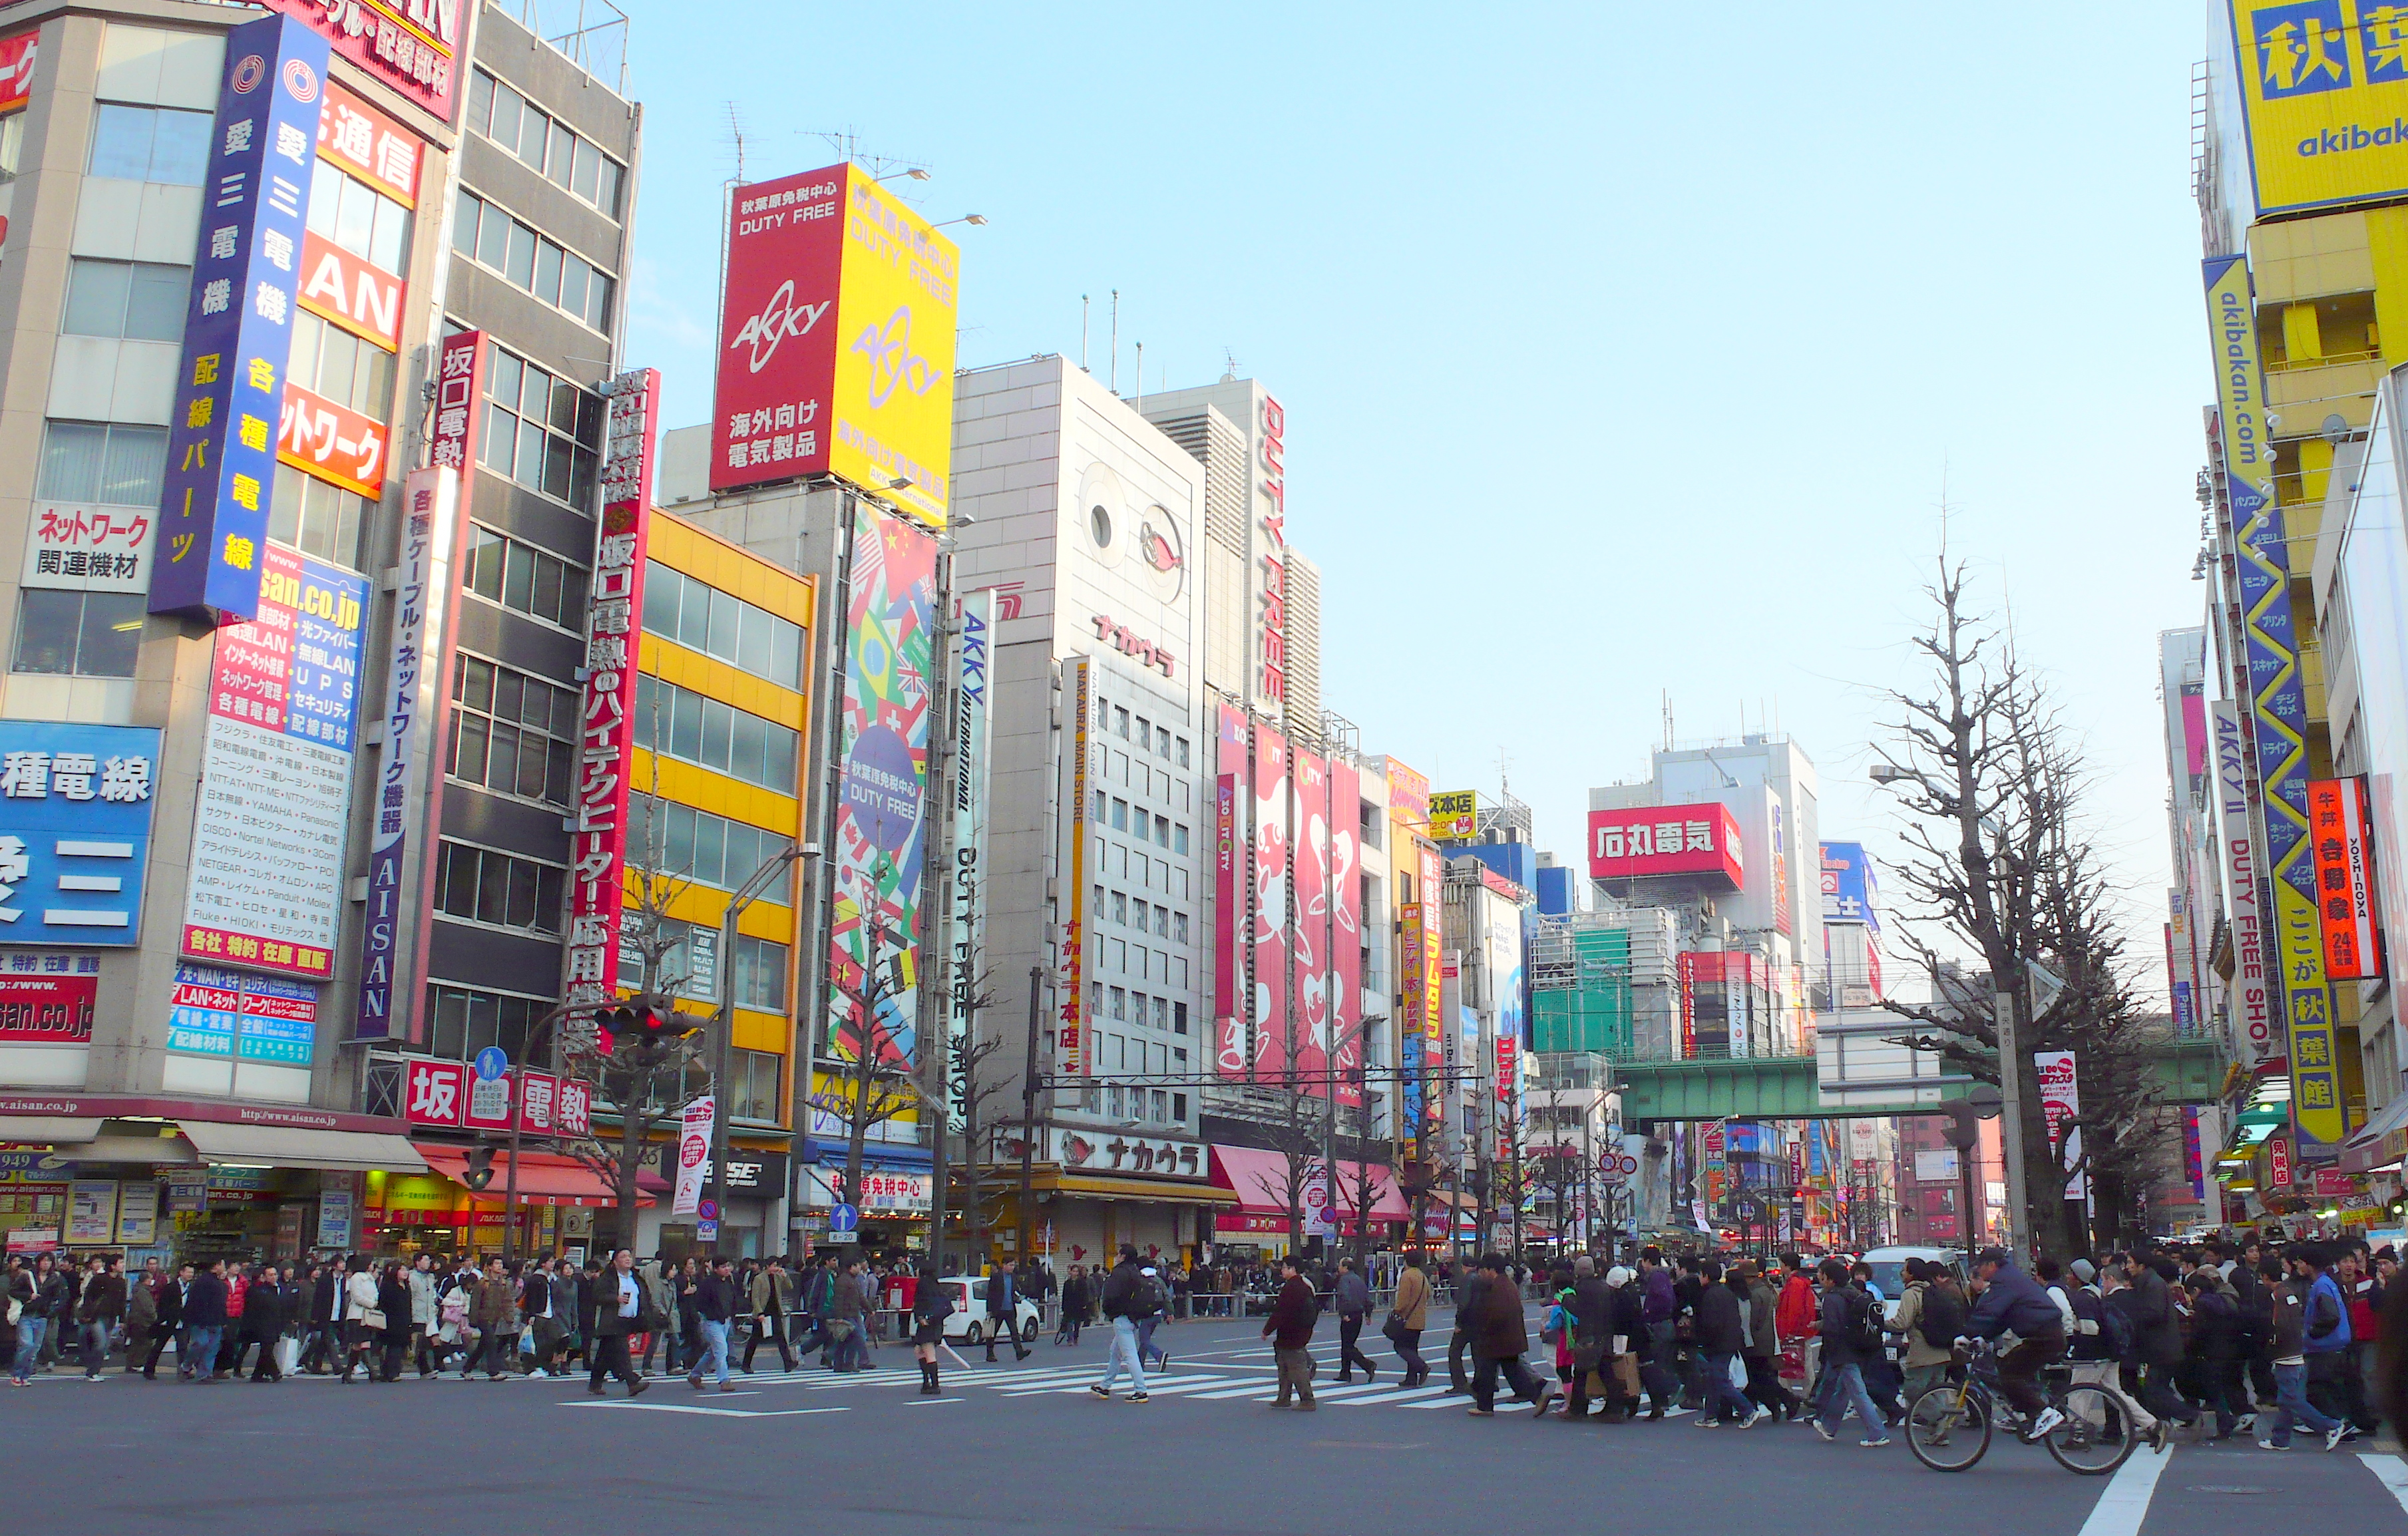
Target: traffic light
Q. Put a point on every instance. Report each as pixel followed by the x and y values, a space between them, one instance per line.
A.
pixel 641 1021
pixel 479 1171
pixel 1964 1125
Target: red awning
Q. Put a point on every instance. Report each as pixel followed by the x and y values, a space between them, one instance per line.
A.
pixel 1259 1180
pixel 545 1178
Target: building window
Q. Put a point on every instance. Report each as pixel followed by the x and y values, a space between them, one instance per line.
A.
pixel 141 301
pixel 500 890
pixel 520 128
pixel 511 732
pixel 673 973
pixel 1144 733
pixel 150 144
pixel 1162 1013
pixel 1162 831
pixel 1120 909
pixel 467 1019
pixel 1099 806
pixel 79 634
pixel 521 577
pixel 115 465
pixel 486 234
pixel 1120 815
pixel 753 1078
pixel 1179 1023
pixel 1178 840
pixel 315 517
pixel 669 839
pixel 541 431
pixel 679 722
pixel 760 974
pixel 1182 757
pixel 1178 1106
pixel 1179 928
pixel 700 617
pixel 1120 1004
pixel 360 219
pixel 333 363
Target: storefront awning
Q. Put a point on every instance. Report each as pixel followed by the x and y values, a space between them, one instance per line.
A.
pixel 285 1146
pixel 545 1178
pixel 2377 1141
pixel 46 1130
pixel 1133 1187
pixel 1259 1180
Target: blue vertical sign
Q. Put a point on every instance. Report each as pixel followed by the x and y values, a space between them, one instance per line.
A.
pixel 75 831
pixel 238 335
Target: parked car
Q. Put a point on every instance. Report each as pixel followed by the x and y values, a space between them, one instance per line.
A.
pixel 968 1322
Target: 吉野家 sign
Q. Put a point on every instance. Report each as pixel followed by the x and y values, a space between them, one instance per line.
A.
pixel 1454 816
pixel 2338 842
pixel 75 831
pixel 1636 841
pixel 836 348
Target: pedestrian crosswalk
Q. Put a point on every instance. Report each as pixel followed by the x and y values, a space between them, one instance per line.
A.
pixel 1203 1386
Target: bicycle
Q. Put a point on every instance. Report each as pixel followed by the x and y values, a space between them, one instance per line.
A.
pixel 1948 1426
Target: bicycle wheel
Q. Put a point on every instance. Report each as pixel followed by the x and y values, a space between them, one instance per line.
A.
pixel 1948 1427
pixel 2098 1435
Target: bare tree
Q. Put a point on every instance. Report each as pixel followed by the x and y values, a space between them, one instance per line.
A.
pixel 978 1082
pixel 2002 872
pixel 644 1082
pixel 866 1087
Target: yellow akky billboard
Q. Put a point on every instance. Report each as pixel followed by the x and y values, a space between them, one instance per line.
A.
pixel 2324 92
pixel 892 420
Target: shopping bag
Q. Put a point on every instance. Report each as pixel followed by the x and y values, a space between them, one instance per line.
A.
pixel 288 1355
pixel 1738 1374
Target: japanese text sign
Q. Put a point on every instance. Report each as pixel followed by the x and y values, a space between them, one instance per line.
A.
pixel 17 55
pixel 335 443
pixel 221 458
pixel 434 1093
pixel 2323 86
pixel 217 1012
pixel 1850 893
pixel 75 831
pixel 46 1008
pixel 356 294
pixel 2338 842
pixel 410 45
pixel 1666 840
pixel 1454 816
pixel 369 145
pixel 90 548
pixel 836 341
pixel 422 584
pixel 599 836
pixel 459 388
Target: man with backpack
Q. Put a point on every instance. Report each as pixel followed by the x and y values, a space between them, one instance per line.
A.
pixel 2100 1344
pixel 1931 1319
pixel 1124 1295
pixel 1851 1334
pixel 2012 1301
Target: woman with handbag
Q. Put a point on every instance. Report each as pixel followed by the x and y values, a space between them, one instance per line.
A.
pixel 393 1300
pixel 1407 1317
pixel 363 1321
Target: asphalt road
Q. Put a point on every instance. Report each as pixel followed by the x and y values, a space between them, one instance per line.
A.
pixel 1022 1448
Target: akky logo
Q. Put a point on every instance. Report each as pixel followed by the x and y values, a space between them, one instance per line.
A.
pixel 779 318
pixel 891 362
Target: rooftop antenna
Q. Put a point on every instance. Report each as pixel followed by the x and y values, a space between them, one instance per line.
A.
pixel 1141 374
pixel 1082 334
pixel 735 130
pixel 1668 720
pixel 847 144
pixel 1232 376
pixel 1112 375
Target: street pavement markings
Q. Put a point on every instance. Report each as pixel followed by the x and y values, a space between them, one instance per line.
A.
pixel 2390 1471
pixel 2125 1503
pixel 707 1413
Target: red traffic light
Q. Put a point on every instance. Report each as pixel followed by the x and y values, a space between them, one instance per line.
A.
pixel 643 1020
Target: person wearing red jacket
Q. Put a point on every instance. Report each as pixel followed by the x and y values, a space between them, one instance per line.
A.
pixel 1797 1315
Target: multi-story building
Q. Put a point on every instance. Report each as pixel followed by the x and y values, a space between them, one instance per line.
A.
pixel 222 308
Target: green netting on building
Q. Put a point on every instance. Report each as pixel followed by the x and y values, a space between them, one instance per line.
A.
pixel 1595 1014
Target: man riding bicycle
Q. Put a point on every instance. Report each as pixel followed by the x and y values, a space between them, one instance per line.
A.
pixel 2012 1301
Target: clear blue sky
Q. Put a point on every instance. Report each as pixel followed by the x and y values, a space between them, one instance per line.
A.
pixel 1626 349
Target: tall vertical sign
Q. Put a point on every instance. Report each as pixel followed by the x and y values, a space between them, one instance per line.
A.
pixel 2278 704
pixel 1347 926
pixel 1271 892
pixel 2060 1105
pixel 1079 679
pixel 2344 881
pixel 1233 921
pixel 262 149
pixel 1269 498
pixel 422 591
pixel 2254 993
pixel 1315 1029
pixel 881 820
pixel 598 833
pixel 973 660
pixel 452 444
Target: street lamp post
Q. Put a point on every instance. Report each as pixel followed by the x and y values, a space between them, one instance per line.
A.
pixel 723 1021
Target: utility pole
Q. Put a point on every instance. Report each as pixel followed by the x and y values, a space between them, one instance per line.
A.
pixel 1027 1209
pixel 2016 1238
pixel 723 1025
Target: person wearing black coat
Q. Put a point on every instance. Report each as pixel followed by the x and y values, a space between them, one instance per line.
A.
pixel 1721 1338
pixel 321 1329
pixel 266 1309
pixel 2215 1341
pixel 205 1316
pixel 1630 1326
pixel 1591 1306
pixel 169 1326
pixel 393 1299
